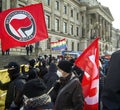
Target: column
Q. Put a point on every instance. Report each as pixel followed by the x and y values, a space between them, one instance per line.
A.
pixel 61 18
pixel 53 16
pixel 101 27
pixel 97 25
pixel 89 27
pixel 84 23
pixel 109 32
pixel 68 13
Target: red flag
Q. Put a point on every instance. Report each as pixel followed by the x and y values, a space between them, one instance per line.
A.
pixel 89 62
pixel 22 26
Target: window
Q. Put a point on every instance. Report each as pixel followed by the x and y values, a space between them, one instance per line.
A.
pixel 57 5
pixel 77 31
pixel 48 43
pixel 64 27
pixel 57 24
pixel 72 13
pixel 77 16
pixel 82 19
pixel 83 32
pixel 78 46
pixel 48 2
pixel 72 46
pixel 48 21
pixel 71 29
pixel 65 9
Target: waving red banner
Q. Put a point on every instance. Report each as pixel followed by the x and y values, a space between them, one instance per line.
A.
pixel 89 62
pixel 22 26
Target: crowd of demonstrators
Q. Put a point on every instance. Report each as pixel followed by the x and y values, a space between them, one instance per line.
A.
pixel 48 81
pixel 46 85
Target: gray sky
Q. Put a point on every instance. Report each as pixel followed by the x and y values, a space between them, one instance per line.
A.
pixel 114 6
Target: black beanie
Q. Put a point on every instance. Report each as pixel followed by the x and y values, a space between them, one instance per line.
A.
pixel 65 65
pixel 32 62
pixel 34 88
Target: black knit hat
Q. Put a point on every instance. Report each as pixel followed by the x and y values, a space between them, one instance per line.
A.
pixel 34 88
pixel 12 65
pixel 32 62
pixel 13 68
pixel 65 65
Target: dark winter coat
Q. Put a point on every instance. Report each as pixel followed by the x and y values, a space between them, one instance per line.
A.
pixel 70 97
pixel 111 91
pixel 13 88
pixel 43 69
pixel 50 78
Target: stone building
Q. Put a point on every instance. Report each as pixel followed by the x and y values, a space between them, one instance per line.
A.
pixel 115 39
pixel 79 21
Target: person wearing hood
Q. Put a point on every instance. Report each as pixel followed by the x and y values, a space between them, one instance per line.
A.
pixel 50 78
pixel 35 96
pixel 14 87
pixel 111 90
pixel 32 73
pixel 70 95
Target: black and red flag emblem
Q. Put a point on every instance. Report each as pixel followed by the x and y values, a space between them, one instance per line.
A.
pixel 22 26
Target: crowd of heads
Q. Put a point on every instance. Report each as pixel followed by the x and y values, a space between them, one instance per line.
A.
pixel 41 74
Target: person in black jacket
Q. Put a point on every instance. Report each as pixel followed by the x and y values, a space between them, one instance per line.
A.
pixel 70 95
pixel 32 73
pixel 35 96
pixel 50 78
pixel 111 90
pixel 14 87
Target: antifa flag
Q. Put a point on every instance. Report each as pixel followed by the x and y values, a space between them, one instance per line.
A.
pixel 89 62
pixel 22 26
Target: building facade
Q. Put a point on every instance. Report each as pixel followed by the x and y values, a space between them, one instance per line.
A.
pixel 79 21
